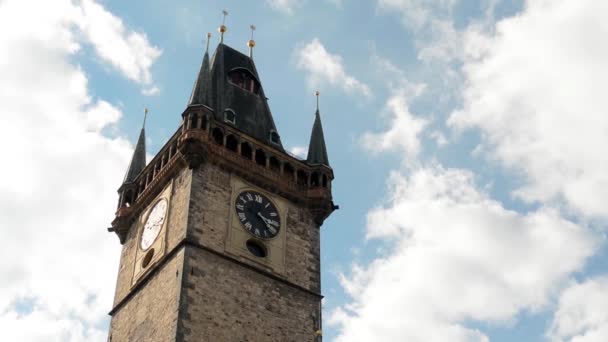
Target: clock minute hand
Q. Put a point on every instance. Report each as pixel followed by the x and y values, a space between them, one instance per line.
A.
pixel 266 222
pixel 263 218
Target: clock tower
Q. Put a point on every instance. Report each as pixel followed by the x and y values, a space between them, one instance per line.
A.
pixel 220 230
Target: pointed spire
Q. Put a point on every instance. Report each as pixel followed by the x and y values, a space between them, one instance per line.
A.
pixel 200 90
pixel 317 152
pixel 138 161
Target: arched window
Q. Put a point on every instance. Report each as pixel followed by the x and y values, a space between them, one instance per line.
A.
pixel 193 120
pixel 246 150
pixel 325 181
pixel 244 79
pixel 314 180
pixel 232 143
pixel 230 116
pixel 274 163
pixel 302 178
pixel 288 171
pixel 218 136
pixel 260 157
pixel 204 122
pixel 128 198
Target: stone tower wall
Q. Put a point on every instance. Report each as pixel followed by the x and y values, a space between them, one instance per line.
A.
pixel 225 301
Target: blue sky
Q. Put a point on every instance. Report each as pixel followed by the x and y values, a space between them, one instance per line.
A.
pixel 466 140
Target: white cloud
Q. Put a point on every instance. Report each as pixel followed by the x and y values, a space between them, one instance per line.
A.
pixel 405 127
pixel 151 91
pixel 458 256
pixel 299 151
pixel 581 315
pixel 285 6
pixel 130 52
pixel 536 91
pixel 327 70
pixel 59 194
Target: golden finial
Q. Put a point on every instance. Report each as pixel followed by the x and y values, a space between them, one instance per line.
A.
pixel 145 117
pixel 208 38
pixel 223 28
pixel 317 93
pixel 251 42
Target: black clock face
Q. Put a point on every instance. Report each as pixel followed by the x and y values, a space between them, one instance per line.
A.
pixel 257 214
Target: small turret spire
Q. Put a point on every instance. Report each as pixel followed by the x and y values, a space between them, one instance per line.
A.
pixel 145 117
pixel 317 152
pixel 251 42
pixel 200 91
pixel 138 161
pixel 208 38
pixel 222 29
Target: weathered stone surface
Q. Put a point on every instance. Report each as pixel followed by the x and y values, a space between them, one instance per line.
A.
pixel 224 301
pixel 150 315
pixel 176 230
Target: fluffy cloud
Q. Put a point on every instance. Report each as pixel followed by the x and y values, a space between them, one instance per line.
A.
pixel 458 256
pixel 581 315
pixel 128 51
pixel 326 69
pixel 535 90
pixel 60 174
pixel 405 127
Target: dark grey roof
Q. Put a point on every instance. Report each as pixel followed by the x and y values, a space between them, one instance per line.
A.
pixel 200 91
pixel 138 162
pixel 253 115
pixel 317 152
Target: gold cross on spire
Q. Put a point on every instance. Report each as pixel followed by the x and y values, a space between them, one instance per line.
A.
pixel 223 28
pixel 251 42
pixel 208 38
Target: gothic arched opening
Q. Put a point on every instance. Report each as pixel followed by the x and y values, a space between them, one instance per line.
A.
pixel 128 199
pixel 324 181
pixel 193 120
pixel 289 172
pixel 204 122
pixel 274 163
pixel 260 157
pixel 246 150
pixel 314 180
pixel 232 143
pixel 302 178
pixel 218 136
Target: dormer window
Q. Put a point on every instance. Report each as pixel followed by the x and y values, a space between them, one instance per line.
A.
pixel 274 137
pixel 245 80
pixel 230 116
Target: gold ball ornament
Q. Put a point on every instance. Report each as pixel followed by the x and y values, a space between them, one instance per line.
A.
pixel 222 29
pixel 251 43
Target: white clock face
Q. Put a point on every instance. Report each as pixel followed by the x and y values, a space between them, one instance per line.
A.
pixel 154 223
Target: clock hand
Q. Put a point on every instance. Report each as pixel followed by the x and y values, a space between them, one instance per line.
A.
pixel 263 218
pixel 267 222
